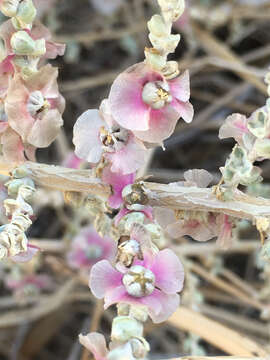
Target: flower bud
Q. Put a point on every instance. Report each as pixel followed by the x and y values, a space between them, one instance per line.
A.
pixel 26 192
pixel 155 60
pixel 258 125
pixel 262 148
pixel 171 70
pixel 165 45
pixel 20 172
pixel 22 44
pixel 140 347
pixel 14 185
pixel 127 221
pixel 124 328
pixel 157 26
pixel 9 7
pixel 134 194
pixel 139 313
pixel 123 309
pixel 26 12
pixel 127 251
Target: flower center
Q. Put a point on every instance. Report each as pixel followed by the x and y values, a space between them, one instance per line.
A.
pixel 139 281
pixel 37 103
pixel 93 252
pixel 113 139
pixel 156 94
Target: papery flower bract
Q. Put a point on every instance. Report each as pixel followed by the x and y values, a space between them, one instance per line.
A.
pixel 97 134
pixel 95 343
pixel 117 182
pixel 88 247
pixel 152 282
pixel 142 101
pixel 34 107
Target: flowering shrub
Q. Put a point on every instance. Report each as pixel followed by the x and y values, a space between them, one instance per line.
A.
pixel 126 254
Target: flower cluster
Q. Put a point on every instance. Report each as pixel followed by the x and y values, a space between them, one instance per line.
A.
pixel 253 144
pixel 143 107
pixel 31 106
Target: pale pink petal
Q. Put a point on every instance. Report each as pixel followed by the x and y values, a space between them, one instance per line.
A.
pixel 235 126
pixel 54 49
pixel 118 182
pixel 169 271
pixel 198 231
pixel 95 343
pixel 12 146
pixel 16 107
pixel 72 161
pixel 45 81
pixel 45 130
pixel 180 87
pixel 164 216
pixel 199 177
pixel 185 110
pixel 86 136
pixel 168 304
pixel 103 278
pixel 225 235
pixel 161 126
pixel 39 31
pixel 130 158
pixel 117 295
pixel 27 255
pixel 125 99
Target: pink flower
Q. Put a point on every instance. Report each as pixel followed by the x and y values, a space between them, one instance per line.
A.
pixel 38 281
pixel 152 282
pixel 117 182
pixel 97 134
pixel 88 248
pixel 144 102
pixel 34 107
pixel 235 126
pixel 201 226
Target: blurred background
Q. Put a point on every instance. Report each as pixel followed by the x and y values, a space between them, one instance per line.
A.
pixel 45 304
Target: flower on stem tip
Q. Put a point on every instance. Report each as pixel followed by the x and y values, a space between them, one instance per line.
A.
pixel 152 282
pixel 96 134
pixel 34 107
pixel 143 101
